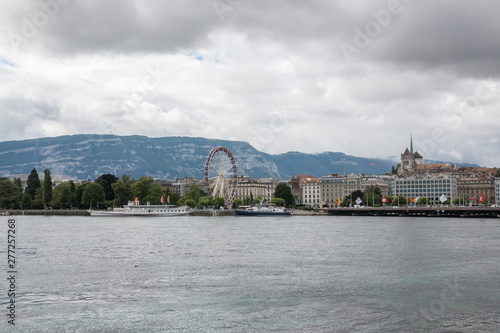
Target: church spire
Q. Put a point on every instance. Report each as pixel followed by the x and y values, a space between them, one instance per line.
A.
pixel 411 143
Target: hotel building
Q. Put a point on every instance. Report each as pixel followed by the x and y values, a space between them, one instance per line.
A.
pixel 472 187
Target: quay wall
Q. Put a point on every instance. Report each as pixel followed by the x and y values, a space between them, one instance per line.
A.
pixel 67 212
pixel 419 212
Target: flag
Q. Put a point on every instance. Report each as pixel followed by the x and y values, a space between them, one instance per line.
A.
pixel 473 198
pixel 393 201
pixel 337 201
pixel 384 199
pixel 371 164
pixel 358 201
pixel 416 199
pixel 443 198
pixel 481 198
pixel 168 198
pixel 162 199
pixel 412 199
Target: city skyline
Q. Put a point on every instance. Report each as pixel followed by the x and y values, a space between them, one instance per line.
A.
pixel 314 77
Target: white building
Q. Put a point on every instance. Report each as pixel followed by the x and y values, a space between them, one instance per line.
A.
pixel 430 187
pixel 311 192
pixel 253 188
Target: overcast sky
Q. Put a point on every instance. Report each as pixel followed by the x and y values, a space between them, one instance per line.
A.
pixel 312 76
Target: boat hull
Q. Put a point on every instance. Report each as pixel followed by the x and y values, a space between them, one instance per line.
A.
pixel 151 214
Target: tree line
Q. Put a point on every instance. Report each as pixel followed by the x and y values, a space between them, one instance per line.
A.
pixel 106 191
pixel 110 191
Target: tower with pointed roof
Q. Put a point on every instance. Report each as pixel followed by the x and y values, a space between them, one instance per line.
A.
pixel 409 159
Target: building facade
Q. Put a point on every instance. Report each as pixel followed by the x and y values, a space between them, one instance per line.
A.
pixel 391 184
pixel 430 187
pixel 497 191
pixel 311 192
pixel 471 188
pixel 331 188
pixel 182 185
pixel 409 160
pixel 412 164
pixel 251 188
pixel 296 183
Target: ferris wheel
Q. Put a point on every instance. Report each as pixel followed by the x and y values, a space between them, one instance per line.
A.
pixel 221 175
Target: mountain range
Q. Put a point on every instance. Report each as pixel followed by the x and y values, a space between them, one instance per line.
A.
pixel 87 156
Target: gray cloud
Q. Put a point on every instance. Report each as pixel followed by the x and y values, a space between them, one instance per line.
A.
pixel 241 69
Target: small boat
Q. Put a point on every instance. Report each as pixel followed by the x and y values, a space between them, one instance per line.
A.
pixel 262 210
pixel 133 208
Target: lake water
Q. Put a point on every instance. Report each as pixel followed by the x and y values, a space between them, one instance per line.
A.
pixel 247 274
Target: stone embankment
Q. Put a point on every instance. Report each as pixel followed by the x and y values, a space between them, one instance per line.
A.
pixel 64 212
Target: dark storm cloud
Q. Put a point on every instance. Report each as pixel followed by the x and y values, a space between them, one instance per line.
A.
pixel 456 36
pixel 119 25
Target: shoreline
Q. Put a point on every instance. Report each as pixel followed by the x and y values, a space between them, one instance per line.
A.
pixel 462 212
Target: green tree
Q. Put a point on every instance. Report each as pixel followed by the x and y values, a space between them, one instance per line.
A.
pixel 195 193
pixel 18 183
pixel 156 192
pixel 33 183
pixel 278 202
pixel 106 181
pixel 38 200
pixel 123 190
pixel 257 200
pixel 497 174
pixel 26 201
pixel 395 169
pixel 142 187
pixel 219 202
pixel 62 196
pixel 373 194
pixel 354 196
pixel 284 192
pixel 205 201
pixel 403 201
pixel 190 203
pixel 77 199
pixel 458 201
pixel 172 198
pixel 422 201
pixel 10 198
pixel 47 188
pixel 237 203
pixel 93 195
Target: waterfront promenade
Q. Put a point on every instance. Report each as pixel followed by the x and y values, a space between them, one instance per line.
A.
pixel 417 211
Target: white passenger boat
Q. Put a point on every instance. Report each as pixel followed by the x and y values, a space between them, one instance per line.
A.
pixel 135 209
pixel 261 210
